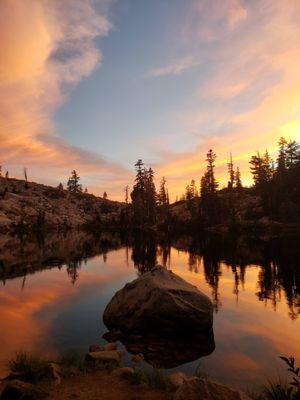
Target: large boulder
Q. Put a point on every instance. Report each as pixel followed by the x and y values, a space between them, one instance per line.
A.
pixel 159 301
pixel 162 317
pixel 200 389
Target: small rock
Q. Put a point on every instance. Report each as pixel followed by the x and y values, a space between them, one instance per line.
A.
pixel 51 372
pixel 110 346
pixel 112 355
pixel 123 372
pixel 177 379
pixel 196 388
pixel 18 390
pixel 137 358
pixel 95 347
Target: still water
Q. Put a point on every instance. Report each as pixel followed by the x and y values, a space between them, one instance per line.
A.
pixel 53 292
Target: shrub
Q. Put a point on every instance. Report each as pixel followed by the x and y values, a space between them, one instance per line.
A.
pixel 29 366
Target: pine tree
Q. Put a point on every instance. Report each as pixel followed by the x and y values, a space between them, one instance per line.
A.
pixel 143 195
pixel 281 160
pixel 126 190
pixel 292 153
pixel 105 195
pixel 162 195
pixel 209 202
pixel 60 186
pixel 73 184
pixel 208 181
pixel 238 181
pixel 231 173
pixel 261 169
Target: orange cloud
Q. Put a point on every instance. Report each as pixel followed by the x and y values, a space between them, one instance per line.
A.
pixel 47 48
pixel 248 95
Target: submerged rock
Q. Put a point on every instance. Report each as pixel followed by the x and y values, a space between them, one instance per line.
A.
pixel 163 317
pixel 195 389
pixel 159 301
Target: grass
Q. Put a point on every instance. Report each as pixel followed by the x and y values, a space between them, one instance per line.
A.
pixel 27 365
pixel 72 363
pixel 153 378
pixel 274 390
pixel 200 372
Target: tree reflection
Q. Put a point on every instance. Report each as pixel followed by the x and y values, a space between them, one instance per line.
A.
pixel 277 260
pixel 213 255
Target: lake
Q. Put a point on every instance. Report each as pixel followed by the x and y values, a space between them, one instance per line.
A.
pixel 54 290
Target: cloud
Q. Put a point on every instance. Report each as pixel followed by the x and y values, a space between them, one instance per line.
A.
pixel 176 67
pixel 246 94
pixel 47 47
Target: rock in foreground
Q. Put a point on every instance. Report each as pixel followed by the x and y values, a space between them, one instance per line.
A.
pixel 159 301
pixel 195 389
pixel 157 315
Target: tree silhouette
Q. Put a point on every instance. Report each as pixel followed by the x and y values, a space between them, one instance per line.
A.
pixel 238 181
pixel 73 184
pixel 143 195
pixel 231 172
pixel 162 195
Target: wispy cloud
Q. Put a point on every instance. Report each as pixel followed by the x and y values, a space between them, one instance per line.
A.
pixel 176 67
pixel 247 95
pixel 47 47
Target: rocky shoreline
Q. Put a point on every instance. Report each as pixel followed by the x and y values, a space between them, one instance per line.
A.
pixel 103 365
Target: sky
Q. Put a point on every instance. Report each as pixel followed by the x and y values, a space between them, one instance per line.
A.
pixel 94 85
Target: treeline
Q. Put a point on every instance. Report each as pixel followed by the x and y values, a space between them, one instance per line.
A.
pixel 276 184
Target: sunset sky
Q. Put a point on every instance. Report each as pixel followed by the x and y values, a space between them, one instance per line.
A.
pixel 96 84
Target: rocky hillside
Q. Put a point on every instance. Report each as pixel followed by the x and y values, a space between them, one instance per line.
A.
pixel 31 206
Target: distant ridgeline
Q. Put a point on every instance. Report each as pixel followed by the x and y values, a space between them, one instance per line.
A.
pixel 271 205
pixel 31 206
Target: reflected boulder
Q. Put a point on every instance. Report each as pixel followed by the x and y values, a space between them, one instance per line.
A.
pixel 163 317
pixel 168 350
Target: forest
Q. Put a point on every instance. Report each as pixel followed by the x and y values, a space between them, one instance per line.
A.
pixel 274 195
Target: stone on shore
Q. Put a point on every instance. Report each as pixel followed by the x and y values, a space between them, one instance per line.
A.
pixel 196 389
pixel 177 379
pixel 105 356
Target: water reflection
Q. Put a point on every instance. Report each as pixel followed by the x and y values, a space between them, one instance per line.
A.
pixel 167 350
pixel 56 287
pixel 278 260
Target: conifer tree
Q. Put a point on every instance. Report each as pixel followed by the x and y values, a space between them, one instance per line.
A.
pixel 281 160
pixel 105 195
pixel 126 190
pixel 292 153
pixel 162 195
pixel 261 169
pixel 238 181
pixel 73 184
pixel 208 181
pixel 231 173
pixel 143 195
